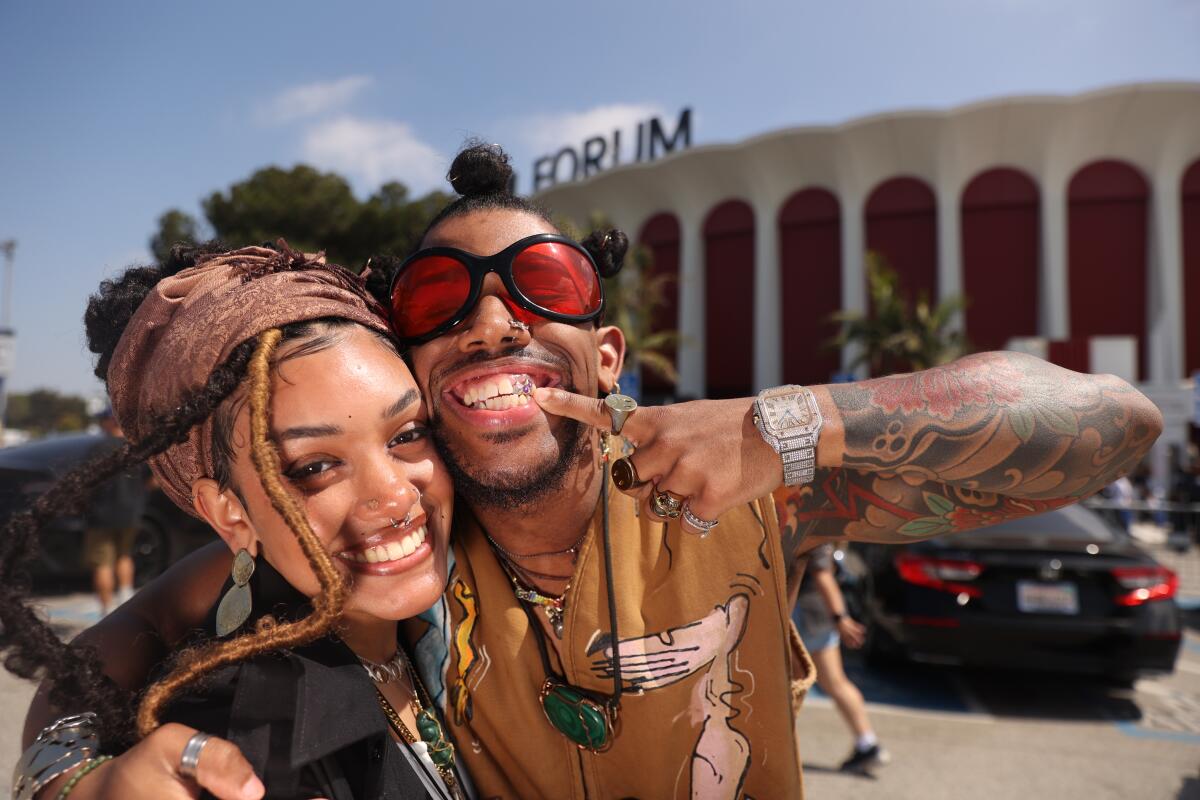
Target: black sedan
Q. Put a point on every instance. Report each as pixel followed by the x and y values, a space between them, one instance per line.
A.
pixel 1061 591
pixel 27 470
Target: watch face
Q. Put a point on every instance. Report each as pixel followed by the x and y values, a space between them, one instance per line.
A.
pixel 787 413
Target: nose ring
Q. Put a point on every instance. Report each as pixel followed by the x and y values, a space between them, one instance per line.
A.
pixel 517 325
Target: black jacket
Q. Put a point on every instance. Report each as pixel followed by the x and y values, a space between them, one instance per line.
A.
pixel 307 719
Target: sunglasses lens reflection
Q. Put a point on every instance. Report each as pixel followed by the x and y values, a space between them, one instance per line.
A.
pixel 558 278
pixel 427 294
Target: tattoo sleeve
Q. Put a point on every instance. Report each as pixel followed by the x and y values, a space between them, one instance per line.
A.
pixel 986 438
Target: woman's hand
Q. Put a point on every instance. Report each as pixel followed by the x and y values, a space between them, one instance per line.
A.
pixel 853 634
pixel 150 769
pixel 706 452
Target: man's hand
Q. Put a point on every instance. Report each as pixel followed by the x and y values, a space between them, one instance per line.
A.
pixel 150 770
pixel 706 451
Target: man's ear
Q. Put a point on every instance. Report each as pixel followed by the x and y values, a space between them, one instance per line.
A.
pixel 610 342
pixel 222 509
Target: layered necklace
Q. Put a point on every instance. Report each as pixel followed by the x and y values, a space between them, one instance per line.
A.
pixel 433 748
pixel 589 719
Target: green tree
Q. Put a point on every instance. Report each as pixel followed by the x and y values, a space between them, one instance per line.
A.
pixel 895 335
pixel 312 210
pixel 45 411
pixel 173 226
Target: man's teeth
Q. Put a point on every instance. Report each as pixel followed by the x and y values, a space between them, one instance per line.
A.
pixel 500 393
pixel 392 551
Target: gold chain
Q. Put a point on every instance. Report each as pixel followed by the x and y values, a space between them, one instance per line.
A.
pixel 398 725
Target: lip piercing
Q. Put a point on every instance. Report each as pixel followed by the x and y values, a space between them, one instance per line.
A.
pixel 396 523
pixel 517 325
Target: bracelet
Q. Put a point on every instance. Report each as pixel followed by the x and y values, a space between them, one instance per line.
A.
pixel 87 767
pixel 839 617
pixel 59 748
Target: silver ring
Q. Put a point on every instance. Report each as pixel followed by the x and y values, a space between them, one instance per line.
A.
pixel 620 406
pixel 702 525
pixel 517 325
pixel 191 754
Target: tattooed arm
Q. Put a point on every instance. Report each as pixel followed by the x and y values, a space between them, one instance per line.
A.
pixel 986 438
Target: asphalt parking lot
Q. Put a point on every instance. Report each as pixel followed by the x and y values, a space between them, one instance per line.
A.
pixel 951 733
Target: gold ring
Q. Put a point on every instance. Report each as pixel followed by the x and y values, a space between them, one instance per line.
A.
pixel 665 505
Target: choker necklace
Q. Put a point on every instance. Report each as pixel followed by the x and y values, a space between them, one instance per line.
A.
pixel 573 549
pixel 589 719
pixel 431 746
pixel 391 670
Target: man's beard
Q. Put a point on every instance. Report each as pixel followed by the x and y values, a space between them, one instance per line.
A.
pixel 520 489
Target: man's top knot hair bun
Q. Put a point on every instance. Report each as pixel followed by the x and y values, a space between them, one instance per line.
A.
pixel 481 170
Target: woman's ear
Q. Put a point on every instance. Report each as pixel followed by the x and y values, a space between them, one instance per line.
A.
pixel 222 509
pixel 610 343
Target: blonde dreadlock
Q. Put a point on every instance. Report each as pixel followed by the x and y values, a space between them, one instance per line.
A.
pixel 194 663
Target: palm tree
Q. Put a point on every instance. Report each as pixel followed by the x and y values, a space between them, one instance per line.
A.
pixel 895 336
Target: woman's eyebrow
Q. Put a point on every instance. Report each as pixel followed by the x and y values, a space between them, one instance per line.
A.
pixel 309 432
pixel 406 400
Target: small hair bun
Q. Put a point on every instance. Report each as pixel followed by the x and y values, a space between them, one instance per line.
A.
pixel 480 170
pixel 608 249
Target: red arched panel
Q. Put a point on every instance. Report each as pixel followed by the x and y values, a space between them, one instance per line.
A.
pixel 660 235
pixel 1106 253
pixel 729 299
pixel 1191 265
pixel 1000 236
pixel 901 217
pixel 810 262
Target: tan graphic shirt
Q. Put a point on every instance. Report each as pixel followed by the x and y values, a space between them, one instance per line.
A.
pixel 712 669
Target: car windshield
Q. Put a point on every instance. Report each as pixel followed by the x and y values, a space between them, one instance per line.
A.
pixel 1073 523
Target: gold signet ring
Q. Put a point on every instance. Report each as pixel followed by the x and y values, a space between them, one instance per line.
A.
pixel 624 475
pixel 665 505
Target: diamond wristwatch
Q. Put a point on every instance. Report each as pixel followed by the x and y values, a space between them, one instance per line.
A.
pixel 790 421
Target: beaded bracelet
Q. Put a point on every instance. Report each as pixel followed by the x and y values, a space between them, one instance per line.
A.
pixel 78 776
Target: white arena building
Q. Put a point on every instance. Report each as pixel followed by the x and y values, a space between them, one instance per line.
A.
pixel 1073 222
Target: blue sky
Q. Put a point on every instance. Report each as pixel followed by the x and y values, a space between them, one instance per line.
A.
pixel 112 112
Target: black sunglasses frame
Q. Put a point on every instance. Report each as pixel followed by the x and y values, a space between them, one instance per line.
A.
pixel 478 267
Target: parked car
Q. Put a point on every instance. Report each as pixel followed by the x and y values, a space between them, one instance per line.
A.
pixel 1062 591
pixel 166 535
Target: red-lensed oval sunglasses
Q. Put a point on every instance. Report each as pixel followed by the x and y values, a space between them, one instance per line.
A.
pixel 547 277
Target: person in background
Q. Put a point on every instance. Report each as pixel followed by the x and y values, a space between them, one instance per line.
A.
pixel 823 622
pixel 112 518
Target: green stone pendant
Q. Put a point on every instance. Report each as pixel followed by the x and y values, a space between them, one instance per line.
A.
pixel 441 752
pixel 576 716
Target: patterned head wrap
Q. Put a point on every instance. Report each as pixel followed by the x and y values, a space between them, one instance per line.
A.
pixel 189 324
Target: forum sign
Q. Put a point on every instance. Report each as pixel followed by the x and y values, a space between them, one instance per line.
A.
pixel 648 142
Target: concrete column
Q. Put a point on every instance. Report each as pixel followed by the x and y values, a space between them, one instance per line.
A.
pixel 768 296
pixel 949 225
pixel 854 268
pixel 1164 315
pixel 690 362
pixel 1053 303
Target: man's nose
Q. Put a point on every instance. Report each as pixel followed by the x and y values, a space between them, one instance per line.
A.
pixel 491 325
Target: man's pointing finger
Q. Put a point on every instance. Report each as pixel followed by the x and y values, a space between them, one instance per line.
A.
pixel 562 403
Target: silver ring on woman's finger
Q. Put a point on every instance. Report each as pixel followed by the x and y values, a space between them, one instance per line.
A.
pixel 191 754
pixel 700 524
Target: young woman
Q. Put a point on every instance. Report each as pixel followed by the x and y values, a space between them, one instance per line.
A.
pixel 269 399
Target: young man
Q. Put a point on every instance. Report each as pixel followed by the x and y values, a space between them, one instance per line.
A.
pixel 690 693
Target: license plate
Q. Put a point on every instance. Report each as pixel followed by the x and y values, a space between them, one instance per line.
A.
pixel 1047 598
